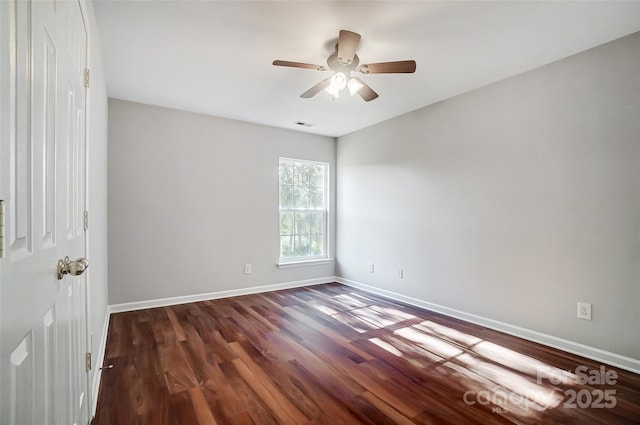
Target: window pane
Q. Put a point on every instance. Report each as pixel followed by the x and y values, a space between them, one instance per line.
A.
pixel 286 173
pixel 303 208
pixel 286 223
pixel 317 242
pixel 302 223
pixel 317 223
pixel 301 197
pixel 301 174
pixel 286 196
pixel 302 245
pixel 286 246
pixel 316 198
pixel 317 175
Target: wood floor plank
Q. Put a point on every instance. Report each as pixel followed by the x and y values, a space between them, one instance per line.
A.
pixel 253 312
pixel 224 402
pixel 162 329
pixel 119 339
pixel 284 378
pixel 327 332
pixel 382 389
pixel 279 405
pixel 201 407
pixel 177 328
pixel 112 394
pixel 386 409
pixel 277 400
pixel 342 386
pixel 203 363
pixel 334 409
pixel 253 404
pixel 180 410
pixel 178 373
pixel 215 344
pixel 333 355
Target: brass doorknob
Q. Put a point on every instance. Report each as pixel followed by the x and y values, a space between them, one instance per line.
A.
pixel 74 268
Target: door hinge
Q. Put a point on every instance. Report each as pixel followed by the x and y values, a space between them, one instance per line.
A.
pixel 86 221
pixel 1 228
pixel 87 75
pixel 88 361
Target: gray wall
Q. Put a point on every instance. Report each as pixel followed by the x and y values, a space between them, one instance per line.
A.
pixel 192 198
pixel 512 202
pixel 97 275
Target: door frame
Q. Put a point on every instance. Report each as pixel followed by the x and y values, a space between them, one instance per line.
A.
pixel 89 325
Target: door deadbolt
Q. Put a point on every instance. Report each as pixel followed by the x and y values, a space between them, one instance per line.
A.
pixel 74 268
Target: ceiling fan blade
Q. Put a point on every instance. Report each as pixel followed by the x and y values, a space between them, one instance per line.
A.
pixel 300 65
pixel 406 67
pixel 317 88
pixel 366 92
pixel 347 44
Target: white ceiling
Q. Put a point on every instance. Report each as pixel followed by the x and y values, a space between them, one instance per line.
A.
pixel 214 57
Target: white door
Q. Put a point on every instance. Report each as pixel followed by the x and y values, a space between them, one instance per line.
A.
pixel 43 335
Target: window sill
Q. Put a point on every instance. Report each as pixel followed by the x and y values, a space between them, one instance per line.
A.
pixel 303 263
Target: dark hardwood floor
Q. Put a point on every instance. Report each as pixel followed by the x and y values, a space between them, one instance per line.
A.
pixel 330 354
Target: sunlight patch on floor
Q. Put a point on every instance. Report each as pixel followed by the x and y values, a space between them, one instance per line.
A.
pixel 493 374
pixel 429 342
pixel 378 319
pixel 521 362
pixel 413 352
pixel 348 302
pixel 386 346
pixel 398 315
pixel 325 309
pixel 449 333
pixel 355 322
pixel 536 393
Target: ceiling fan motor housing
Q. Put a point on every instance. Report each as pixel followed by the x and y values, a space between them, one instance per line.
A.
pixel 336 65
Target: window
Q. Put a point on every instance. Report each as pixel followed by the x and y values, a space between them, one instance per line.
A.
pixel 303 210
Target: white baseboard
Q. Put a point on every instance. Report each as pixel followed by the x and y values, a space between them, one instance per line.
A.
pixel 613 359
pixel 163 302
pixel 98 362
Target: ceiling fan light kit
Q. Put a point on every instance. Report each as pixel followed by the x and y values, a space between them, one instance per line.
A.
pixel 343 62
pixel 338 82
pixel 354 86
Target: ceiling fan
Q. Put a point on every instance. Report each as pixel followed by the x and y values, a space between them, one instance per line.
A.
pixel 343 62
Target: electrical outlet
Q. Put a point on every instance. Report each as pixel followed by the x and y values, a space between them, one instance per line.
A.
pixel 370 267
pixel 247 269
pixel 400 274
pixel 584 311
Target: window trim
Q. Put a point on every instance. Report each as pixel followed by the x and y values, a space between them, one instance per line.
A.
pixel 303 263
pixel 288 262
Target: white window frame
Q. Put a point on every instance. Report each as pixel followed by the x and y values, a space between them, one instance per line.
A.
pixel 285 262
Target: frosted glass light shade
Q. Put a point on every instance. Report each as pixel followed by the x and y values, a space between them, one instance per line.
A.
pixel 354 86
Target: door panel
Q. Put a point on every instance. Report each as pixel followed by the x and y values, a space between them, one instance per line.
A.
pixel 20 181
pixel 49 364
pixel 42 176
pixel 48 93
pixel 21 382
